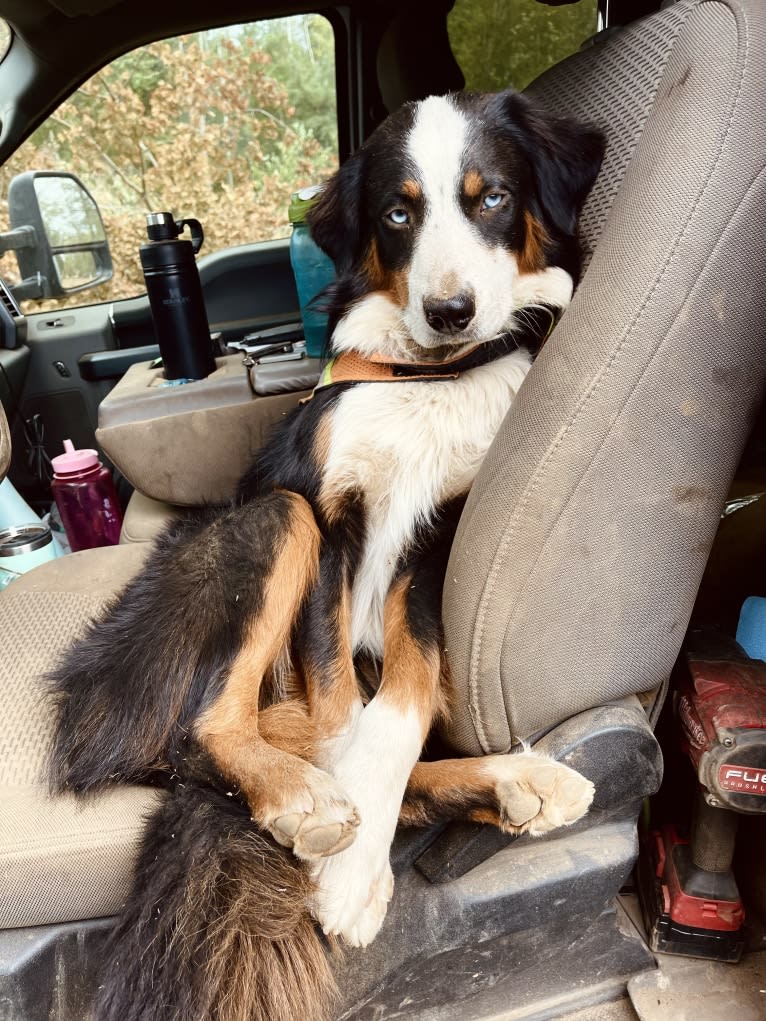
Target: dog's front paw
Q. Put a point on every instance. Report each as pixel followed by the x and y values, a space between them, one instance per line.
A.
pixel 316 819
pixel 353 890
pixel 536 794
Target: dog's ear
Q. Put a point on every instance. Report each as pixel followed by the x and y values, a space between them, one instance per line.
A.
pixel 335 219
pixel 565 156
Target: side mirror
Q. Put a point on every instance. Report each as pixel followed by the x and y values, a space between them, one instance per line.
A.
pixel 57 233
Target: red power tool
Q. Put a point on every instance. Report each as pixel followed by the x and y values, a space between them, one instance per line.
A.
pixel 689 895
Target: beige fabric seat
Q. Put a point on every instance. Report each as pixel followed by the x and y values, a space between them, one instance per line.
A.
pixel 145 518
pixel 580 551
pixel 60 859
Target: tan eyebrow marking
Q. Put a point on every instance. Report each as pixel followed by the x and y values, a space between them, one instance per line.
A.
pixel 392 282
pixel 473 184
pixel 376 274
pixel 412 190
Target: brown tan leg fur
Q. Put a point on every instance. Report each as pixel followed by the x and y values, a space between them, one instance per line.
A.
pixel 300 805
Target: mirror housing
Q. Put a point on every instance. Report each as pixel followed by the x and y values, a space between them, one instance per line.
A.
pixel 57 233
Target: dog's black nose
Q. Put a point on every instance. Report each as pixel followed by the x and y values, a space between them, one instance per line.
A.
pixel 449 315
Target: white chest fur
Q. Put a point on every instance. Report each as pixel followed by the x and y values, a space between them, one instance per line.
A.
pixel 409 447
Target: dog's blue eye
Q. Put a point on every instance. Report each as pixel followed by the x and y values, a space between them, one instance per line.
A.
pixel 493 200
pixel 398 216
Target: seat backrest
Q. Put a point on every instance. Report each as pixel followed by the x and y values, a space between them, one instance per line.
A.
pixel 581 548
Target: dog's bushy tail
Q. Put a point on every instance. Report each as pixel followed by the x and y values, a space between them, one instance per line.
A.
pixel 216 927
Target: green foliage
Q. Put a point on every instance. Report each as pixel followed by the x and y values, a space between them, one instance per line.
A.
pixel 302 53
pixel 502 43
pixel 144 70
pixel 223 125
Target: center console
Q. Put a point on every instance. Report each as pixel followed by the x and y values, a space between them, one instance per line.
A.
pixel 189 444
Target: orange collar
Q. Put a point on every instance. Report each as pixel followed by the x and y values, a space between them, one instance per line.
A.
pixel 352 367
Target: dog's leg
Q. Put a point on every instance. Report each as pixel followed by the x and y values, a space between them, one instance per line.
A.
pixel 323 647
pixel 300 805
pixel 354 887
pixel 524 793
pixel 322 644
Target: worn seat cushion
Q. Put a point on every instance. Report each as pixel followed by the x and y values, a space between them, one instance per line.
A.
pixel 60 859
pixel 145 518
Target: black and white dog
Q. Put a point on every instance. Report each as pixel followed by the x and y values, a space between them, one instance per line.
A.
pixel 229 670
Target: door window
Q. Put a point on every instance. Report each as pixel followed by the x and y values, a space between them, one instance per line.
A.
pixel 223 125
pixel 502 43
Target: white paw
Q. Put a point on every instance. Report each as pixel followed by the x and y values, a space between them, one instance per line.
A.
pixel 368 923
pixel 353 888
pixel 536 794
pixel 352 895
pixel 316 820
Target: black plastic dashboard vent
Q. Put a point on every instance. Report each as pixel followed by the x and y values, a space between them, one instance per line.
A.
pixel 11 319
pixel 8 301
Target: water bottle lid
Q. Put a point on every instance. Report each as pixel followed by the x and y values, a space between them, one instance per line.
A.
pixel 74 460
pixel 302 201
pixel 161 227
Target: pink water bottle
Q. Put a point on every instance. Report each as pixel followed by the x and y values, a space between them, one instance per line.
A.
pixel 86 499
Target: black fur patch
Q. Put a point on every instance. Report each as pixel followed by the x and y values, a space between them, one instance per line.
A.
pixel 289 459
pixel 427 562
pixel 158 655
pixel 316 636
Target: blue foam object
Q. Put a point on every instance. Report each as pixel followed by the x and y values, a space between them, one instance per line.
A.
pixel 751 630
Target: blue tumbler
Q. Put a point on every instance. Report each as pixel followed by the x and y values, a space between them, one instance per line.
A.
pixel 312 269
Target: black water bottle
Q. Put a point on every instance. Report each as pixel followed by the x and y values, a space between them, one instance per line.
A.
pixel 175 296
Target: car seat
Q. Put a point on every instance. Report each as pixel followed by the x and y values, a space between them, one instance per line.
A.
pixel 570 584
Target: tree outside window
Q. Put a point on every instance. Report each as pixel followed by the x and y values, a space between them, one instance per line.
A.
pixel 223 125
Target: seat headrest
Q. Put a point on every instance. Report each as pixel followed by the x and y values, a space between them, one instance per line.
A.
pixel 415 59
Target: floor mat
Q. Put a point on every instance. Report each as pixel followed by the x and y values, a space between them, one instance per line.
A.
pixel 689 990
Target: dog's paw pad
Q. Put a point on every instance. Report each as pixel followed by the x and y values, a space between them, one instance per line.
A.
pixel 576 796
pixel 565 795
pixel 286 827
pixel 321 841
pixel 518 804
pixel 321 822
pixel 536 795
